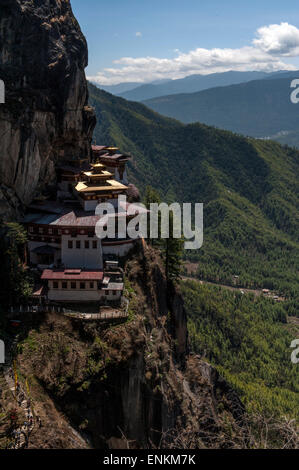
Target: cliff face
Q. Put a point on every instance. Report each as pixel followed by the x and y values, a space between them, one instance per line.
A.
pixel 46 116
pixel 130 384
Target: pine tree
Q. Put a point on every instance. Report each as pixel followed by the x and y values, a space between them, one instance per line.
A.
pixel 172 252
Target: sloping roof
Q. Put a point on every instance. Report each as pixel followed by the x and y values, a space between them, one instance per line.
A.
pixel 104 174
pixel 98 148
pixel 72 275
pixel 113 185
pixel 97 165
pixel 63 215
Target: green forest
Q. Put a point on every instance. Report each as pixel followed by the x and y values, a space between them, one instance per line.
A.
pixel 250 193
pixel 248 340
pixel 249 189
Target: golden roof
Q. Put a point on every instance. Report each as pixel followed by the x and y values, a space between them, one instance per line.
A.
pixel 113 185
pixel 103 174
pixel 97 165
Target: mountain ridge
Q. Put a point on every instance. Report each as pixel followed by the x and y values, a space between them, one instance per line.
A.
pixel 259 108
pixel 189 84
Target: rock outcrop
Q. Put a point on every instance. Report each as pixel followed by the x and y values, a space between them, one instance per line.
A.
pixel 43 54
pixel 131 384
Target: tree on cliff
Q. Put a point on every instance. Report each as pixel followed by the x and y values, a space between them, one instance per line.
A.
pixel 171 248
pixel 14 281
pixel 172 253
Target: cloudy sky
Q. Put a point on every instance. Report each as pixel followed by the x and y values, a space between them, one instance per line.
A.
pixel 146 40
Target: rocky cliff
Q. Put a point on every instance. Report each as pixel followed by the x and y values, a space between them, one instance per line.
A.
pixel 43 54
pixel 131 384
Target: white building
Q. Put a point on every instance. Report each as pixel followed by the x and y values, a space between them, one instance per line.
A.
pixel 76 285
pixel 62 234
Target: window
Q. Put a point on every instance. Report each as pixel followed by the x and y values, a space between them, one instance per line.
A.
pixel 41 230
pixel 70 244
pixel 106 292
pixel 78 244
pixel 50 231
pixel 31 230
pixel 94 244
pixel 82 285
pixel 86 244
pixel 114 292
pixel 91 285
pixel 64 285
pixel 55 285
pixel 73 285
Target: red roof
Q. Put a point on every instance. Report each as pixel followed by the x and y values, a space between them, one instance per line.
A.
pixel 72 275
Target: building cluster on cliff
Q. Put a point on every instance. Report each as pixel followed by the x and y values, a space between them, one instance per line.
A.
pixel 76 265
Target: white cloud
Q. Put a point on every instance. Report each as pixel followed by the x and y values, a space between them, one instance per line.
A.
pixel 278 39
pixel 138 34
pixel 272 43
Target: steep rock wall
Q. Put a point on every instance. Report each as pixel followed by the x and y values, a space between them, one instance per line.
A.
pixel 130 384
pixel 43 54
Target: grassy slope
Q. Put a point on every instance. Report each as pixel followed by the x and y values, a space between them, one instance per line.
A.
pixel 250 189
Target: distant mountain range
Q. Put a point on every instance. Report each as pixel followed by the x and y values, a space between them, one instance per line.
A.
pixel 259 108
pixel 139 92
pixel 123 88
pixel 190 84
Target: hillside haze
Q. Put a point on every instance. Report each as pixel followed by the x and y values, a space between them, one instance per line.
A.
pixel 259 108
pixel 190 84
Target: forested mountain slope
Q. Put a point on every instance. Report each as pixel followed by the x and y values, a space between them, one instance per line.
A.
pixel 249 188
pixel 259 108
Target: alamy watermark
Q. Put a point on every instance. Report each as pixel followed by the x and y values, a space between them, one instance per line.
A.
pixel 180 221
pixel 2 352
pixel 2 92
pixel 295 353
pixel 295 93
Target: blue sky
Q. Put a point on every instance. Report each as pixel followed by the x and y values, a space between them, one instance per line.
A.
pixel 180 37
